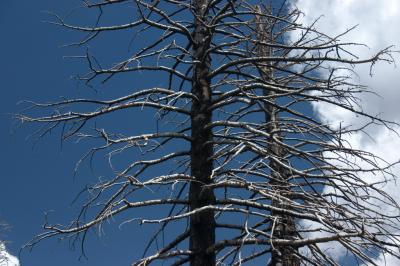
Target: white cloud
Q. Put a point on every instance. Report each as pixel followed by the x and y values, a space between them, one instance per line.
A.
pixel 387 260
pixel 6 259
pixel 378 27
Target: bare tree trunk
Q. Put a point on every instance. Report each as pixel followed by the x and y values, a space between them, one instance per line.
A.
pixel 283 226
pixel 202 225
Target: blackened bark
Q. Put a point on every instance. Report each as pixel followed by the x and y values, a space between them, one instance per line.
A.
pixel 202 225
pixel 283 227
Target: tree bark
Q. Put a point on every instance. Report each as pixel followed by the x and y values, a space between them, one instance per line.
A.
pixel 283 227
pixel 202 225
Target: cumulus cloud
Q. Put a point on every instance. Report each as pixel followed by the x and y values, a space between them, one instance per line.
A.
pixel 378 27
pixel 6 259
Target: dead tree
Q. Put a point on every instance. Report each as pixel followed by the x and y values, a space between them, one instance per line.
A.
pixel 284 225
pixel 238 162
pixel 202 224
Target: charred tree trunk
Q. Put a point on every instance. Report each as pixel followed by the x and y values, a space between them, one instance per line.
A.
pixel 202 224
pixel 283 227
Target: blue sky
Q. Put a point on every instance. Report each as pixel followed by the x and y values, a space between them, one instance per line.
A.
pixel 38 178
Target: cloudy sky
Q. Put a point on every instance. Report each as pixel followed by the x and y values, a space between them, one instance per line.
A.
pixel 30 50
pixel 6 259
pixel 378 27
